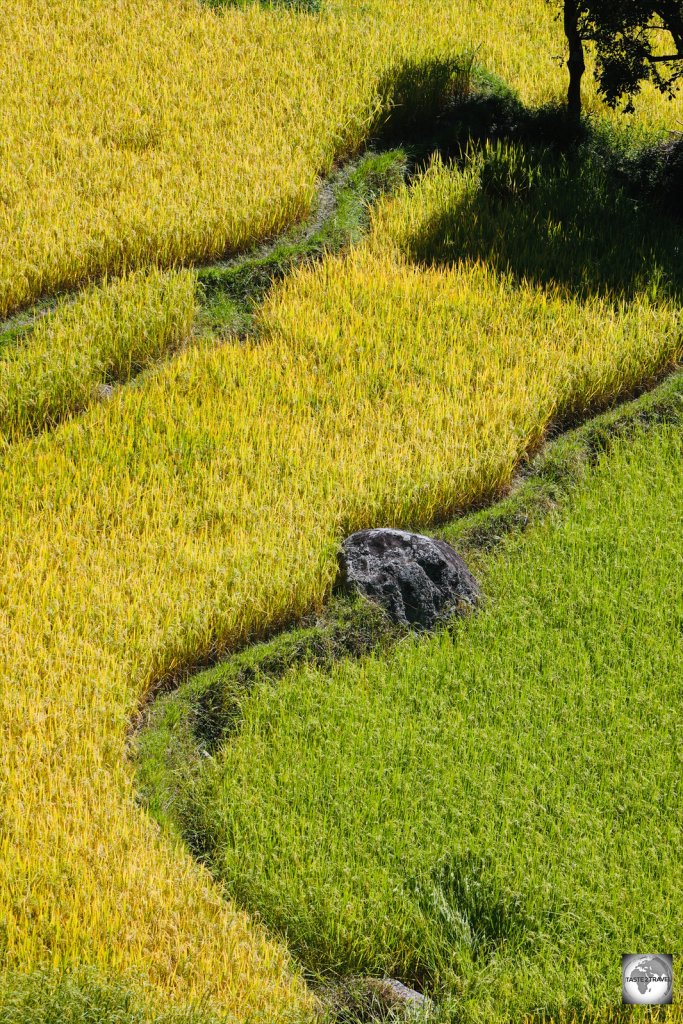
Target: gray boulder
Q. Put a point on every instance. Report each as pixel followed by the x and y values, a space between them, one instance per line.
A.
pixel 397 996
pixel 417 580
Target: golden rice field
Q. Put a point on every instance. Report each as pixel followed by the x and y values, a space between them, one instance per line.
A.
pixel 142 132
pixel 189 514
pixel 107 335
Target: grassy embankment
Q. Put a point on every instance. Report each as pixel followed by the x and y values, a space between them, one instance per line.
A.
pixel 465 811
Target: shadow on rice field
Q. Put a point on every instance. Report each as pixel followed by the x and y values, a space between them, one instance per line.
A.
pixel 568 220
pixel 593 213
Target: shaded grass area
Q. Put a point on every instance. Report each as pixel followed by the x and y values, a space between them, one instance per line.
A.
pixel 458 108
pixel 593 212
pixel 556 219
pixel 432 811
pixel 15 327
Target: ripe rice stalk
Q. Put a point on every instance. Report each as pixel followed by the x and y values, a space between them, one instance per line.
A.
pixel 106 336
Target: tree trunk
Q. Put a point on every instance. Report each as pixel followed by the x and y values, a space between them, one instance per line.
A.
pixel 671 13
pixel 576 63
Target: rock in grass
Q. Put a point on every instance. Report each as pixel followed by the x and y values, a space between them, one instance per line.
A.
pixel 397 996
pixel 417 580
pixel 375 999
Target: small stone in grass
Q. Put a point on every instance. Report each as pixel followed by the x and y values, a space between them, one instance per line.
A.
pixel 397 996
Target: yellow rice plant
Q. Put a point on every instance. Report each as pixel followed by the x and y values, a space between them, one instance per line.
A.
pixel 151 132
pixel 105 336
pixel 187 516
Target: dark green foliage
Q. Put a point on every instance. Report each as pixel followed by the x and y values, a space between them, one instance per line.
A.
pixel 669 185
pixel 656 172
pixel 627 53
pixel 625 35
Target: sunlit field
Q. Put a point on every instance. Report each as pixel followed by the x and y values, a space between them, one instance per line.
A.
pixel 201 506
pixel 466 812
pixel 137 133
pixel 106 336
